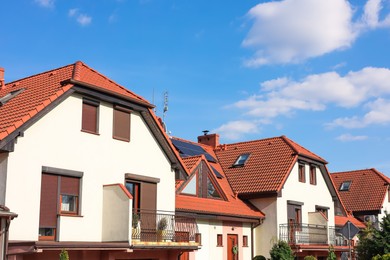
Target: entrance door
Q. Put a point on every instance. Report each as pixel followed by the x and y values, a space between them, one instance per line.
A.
pixel 232 247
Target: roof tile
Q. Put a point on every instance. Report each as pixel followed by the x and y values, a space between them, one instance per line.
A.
pixel 367 191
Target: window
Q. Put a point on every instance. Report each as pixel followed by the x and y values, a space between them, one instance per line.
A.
pixel 144 191
pixel 134 189
pixel 60 194
pixel 202 184
pixel 241 160
pixel 9 96
pixel 245 241
pixel 90 116
pixel 345 186
pixel 301 173
pixel 219 240
pixel 313 177
pixel 121 126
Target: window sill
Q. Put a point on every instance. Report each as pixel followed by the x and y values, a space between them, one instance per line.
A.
pixel 121 139
pixel 63 214
pixel 89 132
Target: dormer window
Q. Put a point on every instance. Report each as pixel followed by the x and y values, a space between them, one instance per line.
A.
pixel 345 186
pixel 241 160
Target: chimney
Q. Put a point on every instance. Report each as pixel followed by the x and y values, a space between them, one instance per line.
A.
pixel 2 82
pixel 209 139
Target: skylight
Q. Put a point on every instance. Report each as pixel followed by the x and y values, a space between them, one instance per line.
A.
pixel 9 96
pixel 241 160
pixel 345 186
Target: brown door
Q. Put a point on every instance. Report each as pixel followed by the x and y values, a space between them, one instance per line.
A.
pixel 232 247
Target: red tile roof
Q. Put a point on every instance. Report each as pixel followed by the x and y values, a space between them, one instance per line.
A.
pixel 367 191
pixel 42 89
pixel 232 206
pixel 268 166
pixel 341 220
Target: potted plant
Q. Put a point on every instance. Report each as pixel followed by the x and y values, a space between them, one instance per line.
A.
pixel 161 228
pixel 136 227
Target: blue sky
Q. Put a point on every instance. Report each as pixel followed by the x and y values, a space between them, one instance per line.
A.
pixel 315 71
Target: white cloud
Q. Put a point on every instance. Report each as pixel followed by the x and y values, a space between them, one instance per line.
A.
pixel 45 3
pixel 350 138
pixel 234 130
pixel 378 114
pixel 291 31
pixel 284 97
pixel 371 14
pixel 82 19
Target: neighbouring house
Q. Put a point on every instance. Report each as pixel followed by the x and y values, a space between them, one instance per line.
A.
pixel 291 186
pixel 224 220
pixel 88 168
pixel 365 193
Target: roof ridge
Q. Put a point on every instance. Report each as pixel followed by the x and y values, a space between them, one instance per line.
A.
pixel 252 141
pixel 77 74
pixel 353 171
pixel 38 74
pixel 292 143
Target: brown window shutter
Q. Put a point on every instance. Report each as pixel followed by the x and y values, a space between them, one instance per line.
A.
pixel 49 195
pixel 148 196
pixel 121 128
pixel 70 185
pixel 89 118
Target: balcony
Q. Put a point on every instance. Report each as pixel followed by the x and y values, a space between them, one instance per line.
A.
pixel 166 227
pixel 299 233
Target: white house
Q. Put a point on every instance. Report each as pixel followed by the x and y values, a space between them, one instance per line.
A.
pixel 87 168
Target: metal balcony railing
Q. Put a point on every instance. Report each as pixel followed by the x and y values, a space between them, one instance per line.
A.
pixel 156 226
pixel 336 238
pixel 299 233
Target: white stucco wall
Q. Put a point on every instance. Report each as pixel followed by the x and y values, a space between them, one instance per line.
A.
pixel 266 234
pixel 275 208
pixel 385 207
pixel 210 229
pixel 56 141
pixel 310 195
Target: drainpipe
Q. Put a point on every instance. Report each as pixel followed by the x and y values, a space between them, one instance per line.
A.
pixel 178 257
pixel 252 244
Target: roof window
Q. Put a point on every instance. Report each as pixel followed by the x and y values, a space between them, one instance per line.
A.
pixel 9 96
pixel 241 160
pixel 345 186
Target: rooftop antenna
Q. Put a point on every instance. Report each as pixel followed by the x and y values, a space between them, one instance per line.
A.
pixel 165 110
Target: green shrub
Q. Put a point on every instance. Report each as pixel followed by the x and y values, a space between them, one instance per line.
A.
pixel 331 254
pixel 281 251
pixel 259 257
pixel 64 255
pixel 383 257
pixel 309 257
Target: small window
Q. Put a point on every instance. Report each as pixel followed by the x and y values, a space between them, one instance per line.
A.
pixel 69 204
pixel 324 210
pixel 47 233
pixel 219 240
pixel 241 160
pixel 121 127
pixel 90 116
pixel 245 241
pixel 301 173
pixel 345 186
pixel 313 177
pixel 9 96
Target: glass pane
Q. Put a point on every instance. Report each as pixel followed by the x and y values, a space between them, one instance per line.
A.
pixel 69 203
pixel 191 187
pixel 211 191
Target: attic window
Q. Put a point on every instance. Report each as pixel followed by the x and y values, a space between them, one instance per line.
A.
pixel 241 160
pixel 345 186
pixel 9 96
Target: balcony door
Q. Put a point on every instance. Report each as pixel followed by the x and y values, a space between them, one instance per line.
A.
pixel 294 220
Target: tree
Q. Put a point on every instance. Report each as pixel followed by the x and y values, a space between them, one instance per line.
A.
pixel 331 254
pixel 373 242
pixel 281 251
